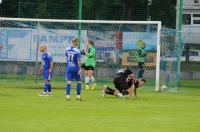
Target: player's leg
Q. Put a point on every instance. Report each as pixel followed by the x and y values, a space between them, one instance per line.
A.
pixel 130 88
pixel 141 69
pixel 107 90
pixel 69 78
pixel 49 85
pixel 118 82
pixel 46 83
pixel 78 86
pixel 87 79
pixel 91 77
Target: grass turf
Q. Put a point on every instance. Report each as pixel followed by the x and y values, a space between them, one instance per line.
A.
pixel 21 110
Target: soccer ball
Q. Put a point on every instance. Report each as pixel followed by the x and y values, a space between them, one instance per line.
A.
pixel 163 88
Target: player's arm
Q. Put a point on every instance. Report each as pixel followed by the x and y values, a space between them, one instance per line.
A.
pixel 131 77
pixel 51 63
pixel 132 90
pixel 135 91
pixel 40 69
pixel 51 67
pixel 90 53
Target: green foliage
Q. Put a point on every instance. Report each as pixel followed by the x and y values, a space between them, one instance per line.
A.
pixel 163 10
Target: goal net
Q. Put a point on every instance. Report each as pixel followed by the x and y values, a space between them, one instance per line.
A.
pixel 116 44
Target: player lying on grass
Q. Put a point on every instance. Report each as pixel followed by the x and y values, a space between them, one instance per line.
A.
pixel 125 84
pixel 47 69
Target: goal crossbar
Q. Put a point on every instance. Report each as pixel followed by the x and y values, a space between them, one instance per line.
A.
pixel 79 21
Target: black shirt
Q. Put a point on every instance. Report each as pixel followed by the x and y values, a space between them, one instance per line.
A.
pixel 123 73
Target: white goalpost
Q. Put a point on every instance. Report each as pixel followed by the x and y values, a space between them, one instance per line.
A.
pixel 115 42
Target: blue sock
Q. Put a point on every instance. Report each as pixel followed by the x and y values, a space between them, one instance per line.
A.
pixel 78 88
pixel 49 87
pixel 68 88
pixel 46 85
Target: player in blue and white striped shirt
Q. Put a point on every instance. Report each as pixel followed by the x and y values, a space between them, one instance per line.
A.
pixel 72 68
pixel 47 69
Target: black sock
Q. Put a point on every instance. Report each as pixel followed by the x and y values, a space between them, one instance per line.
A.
pixel 109 91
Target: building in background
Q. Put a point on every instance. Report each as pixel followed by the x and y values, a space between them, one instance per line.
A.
pixel 191 29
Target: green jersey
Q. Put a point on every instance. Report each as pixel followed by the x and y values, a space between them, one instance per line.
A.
pixel 90 57
pixel 141 55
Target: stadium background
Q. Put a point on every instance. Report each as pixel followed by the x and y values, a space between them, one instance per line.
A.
pixel 143 10
pixel 21 109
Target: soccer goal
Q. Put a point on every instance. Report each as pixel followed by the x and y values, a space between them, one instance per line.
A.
pixel 116 44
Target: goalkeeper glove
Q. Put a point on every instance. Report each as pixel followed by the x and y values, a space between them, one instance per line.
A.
pixel 82 52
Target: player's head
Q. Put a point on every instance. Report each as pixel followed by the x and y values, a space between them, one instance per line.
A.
pixel 43 47
pixel 141 43
pixel 90 43
pixel 75 42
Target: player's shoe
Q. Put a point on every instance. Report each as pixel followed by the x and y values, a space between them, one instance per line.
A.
pixel 67 98
pixel 93 86
pixel 87 87
pixel 120 96
pixel 42 94
pixel 104 91
pixel 50 94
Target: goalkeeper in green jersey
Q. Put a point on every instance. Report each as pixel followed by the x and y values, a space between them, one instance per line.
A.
pixel 141 57
pixel 89 64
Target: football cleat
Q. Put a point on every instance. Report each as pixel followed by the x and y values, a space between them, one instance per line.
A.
pixel 93 86
pixel 50 94
pixel 42 94
pixel 68 98
pixel 87 87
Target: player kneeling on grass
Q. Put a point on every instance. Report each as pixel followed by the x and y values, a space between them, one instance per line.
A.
pixel 125 84
pixel 72 69
pixel 47 69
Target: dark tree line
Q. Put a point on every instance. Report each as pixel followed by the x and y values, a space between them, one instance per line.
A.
pixel 163 10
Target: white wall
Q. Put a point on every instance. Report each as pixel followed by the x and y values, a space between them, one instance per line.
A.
pixel 191 4
pixel 191 34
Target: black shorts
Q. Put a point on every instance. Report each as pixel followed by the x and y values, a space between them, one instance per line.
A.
pixel 83 66
pixel 120 84
pixel 87 67
pixel 130 83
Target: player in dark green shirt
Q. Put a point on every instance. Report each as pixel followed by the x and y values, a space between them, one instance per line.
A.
pixel 89 64
pixel 141 57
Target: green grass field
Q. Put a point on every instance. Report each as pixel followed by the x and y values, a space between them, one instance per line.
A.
pixel 21 110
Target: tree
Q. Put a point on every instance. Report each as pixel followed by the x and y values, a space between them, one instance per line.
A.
pixel 164 10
